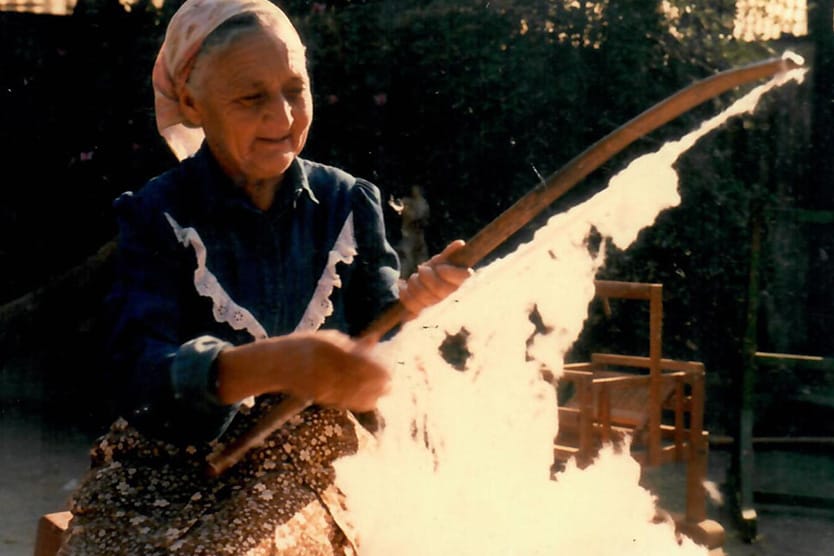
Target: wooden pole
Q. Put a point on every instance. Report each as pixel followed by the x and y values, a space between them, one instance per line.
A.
pixel 696 468
pixel 743 465
pixel 655 355
pixel 542 196
pixel 560 182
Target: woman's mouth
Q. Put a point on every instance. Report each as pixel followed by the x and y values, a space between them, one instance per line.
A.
pixel 284 142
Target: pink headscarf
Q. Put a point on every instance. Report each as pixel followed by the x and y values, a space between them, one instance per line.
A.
pixel 186 32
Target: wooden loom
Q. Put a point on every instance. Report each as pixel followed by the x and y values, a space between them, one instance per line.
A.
pixel 624 398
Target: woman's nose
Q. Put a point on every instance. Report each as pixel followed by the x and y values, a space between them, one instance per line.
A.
pixel 279 111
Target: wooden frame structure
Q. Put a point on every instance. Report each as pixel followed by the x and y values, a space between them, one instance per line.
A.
pixel 657 403
pixel 742 472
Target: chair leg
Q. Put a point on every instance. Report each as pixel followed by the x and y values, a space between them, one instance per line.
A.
pixel 694 522
pixel 51 528
pixel 707 532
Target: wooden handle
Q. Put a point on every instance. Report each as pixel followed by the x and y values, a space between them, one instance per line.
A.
pixel 542 196
pixel 286 409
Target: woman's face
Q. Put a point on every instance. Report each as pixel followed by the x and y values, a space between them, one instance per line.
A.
pixel 252 98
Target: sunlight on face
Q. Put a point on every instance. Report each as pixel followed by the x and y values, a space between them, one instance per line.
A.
pixel 252 98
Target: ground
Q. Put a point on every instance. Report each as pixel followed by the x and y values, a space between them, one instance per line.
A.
pixel 40 464
pixel 43 454
pixel 782 530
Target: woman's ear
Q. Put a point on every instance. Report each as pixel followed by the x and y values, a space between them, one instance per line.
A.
pixel 189 108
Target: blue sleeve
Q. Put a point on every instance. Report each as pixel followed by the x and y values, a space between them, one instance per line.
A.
pixel 374 285
pixel 164 377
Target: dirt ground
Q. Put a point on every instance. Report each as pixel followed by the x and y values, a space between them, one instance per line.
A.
pixel 782 530
pixel 42 457
pixel 40 464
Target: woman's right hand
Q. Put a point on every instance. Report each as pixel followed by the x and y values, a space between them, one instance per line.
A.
pixel 326 367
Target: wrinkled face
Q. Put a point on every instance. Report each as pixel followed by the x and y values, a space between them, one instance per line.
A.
pixel 252 98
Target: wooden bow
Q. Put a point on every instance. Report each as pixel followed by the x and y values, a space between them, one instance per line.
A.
pixel 522 212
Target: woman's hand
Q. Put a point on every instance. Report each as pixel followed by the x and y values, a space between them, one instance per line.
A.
pixel 328 367
pixel 325 367
pixel 434 280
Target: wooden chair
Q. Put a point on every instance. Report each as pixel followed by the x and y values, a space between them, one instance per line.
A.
pixel 657 403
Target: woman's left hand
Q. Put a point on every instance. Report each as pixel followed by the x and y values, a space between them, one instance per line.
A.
pixel 433 281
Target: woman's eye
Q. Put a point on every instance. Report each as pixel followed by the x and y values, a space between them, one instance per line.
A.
pixel 253 98
pixel 295 92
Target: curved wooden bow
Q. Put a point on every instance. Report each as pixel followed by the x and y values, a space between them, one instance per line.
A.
pixel 524 210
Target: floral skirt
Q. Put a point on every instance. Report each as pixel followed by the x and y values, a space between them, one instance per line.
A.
pixel 146 497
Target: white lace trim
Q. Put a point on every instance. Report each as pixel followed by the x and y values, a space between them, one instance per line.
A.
pixel 225 310
pixel 320 306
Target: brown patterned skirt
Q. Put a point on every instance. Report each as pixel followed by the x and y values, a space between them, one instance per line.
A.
pixel 146 497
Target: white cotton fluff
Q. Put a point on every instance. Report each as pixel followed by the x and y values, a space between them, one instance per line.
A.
pixel 462 466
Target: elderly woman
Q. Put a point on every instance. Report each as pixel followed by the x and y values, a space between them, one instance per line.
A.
pixel 228 265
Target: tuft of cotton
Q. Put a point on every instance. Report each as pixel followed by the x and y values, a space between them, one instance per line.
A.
pixel 462 465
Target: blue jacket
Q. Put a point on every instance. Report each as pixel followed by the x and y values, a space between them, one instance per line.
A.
pixel 173 308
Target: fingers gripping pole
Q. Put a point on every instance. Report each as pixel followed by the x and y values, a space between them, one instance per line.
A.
pixel 525 209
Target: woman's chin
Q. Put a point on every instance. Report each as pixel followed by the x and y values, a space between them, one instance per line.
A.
pixel 269 168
